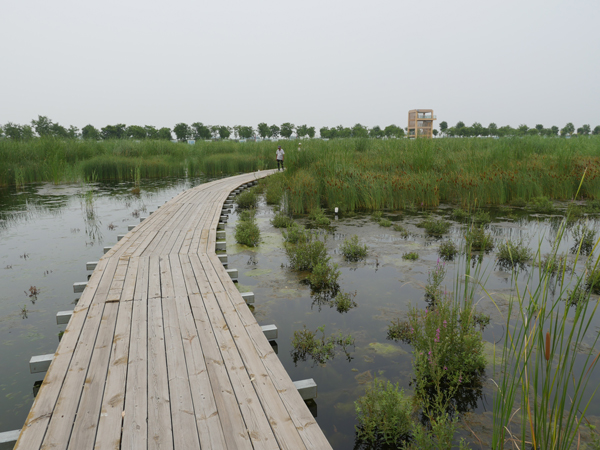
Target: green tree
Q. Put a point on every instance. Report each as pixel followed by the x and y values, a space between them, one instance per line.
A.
pixel 533 132
pixel 539 127
pixel 246 132
pixel 376 132
pixel 13 131
pixel 224 132
pixel 585 130
pixel 554 130
pixel 182 131
pixel 136 132
pixel 200 131
pixel 151 132
pixel 90 132
pixel 343 132
pixel 435 132
pixel 522 130
pixel 393 131
pixel 311 132
pixel 287 129
pixel 596 130
pixel 58 131
pixel 493 129
pixel 568 129
pixel 324 132
pixel 263 130
pixel 477 129
pixel 302 131
pixel 73 132
pixel 165 134
pixel 274 131
pixel 114 131
pixel 1 131
pixel 443 127
pixel 42 126
pixel 360 131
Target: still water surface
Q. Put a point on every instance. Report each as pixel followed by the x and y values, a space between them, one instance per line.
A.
pixel 47 235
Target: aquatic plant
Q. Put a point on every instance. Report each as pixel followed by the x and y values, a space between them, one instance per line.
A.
pixel 478 239
pixel 435 278
pixel 353 250
pixel 447 250
pixel 385 223
pixel 403 231
pixel 246 199
pixel 318 219
pixel 410 256
pixel 383 414
pixel 344 302
pixel 542 205
pixel 434 227
pixel 324 276
pixel 282 220
pixel 584 238
pixel 306 253
pixel 306 343
pixel 295 233
pixel 513 254
pixel 246 229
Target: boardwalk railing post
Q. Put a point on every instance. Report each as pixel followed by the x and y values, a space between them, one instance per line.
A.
pixel 9 437
pixel 306 388
pixel 40 363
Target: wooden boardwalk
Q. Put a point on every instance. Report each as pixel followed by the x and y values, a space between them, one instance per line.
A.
pixel 162 352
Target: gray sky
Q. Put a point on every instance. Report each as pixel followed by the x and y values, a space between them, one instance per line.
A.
pixel 324 62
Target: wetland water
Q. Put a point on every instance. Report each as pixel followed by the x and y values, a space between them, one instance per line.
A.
pixel 48 232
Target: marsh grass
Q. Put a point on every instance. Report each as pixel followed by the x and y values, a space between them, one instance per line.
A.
pixel 410 256
pixel 513 254
pixel 246 229
pixel 479 240
pixel 544 372
pixel 434 227
pixel 353 250
pixel 282 220
pixel 247 199
pixel 385 223
pixel 584 237
pixel 448 250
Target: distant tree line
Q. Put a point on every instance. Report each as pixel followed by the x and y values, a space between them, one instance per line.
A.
pixel 44 127
pixel 475 130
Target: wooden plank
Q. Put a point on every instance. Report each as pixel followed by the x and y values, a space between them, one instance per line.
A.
pixel 256 422
pixel 111 416
pixel 135 421
pixel 284 429
pixel 160 431
pixel 234 429
pixel 185 432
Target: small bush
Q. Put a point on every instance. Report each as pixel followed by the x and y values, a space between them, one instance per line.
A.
pixel 246 230
pixel 344 302
pixel 518 202
pixel 574 212
pixel 377 215
pixel 542 205
pixel 577 297
pixel 481 319
pixel 320 349
pixel 403 231
pixel 585 239
pixel 448 250
pixel 482 217
pixel 324 276
pixel 592 207
pixel 305 255
pixel 460 215
pixel 478 240
pixel 554 264
pixel 411 256
pixel 435 227
pixel 353 250
pixel 246 200
pixel 318 218
pixel 400 331
pixel 282 220
pixel 384 414
pixel 435 278
pixel 295 233
pixel 385 223
pixel 513 254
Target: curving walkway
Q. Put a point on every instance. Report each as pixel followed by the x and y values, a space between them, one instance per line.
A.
pixel 162 352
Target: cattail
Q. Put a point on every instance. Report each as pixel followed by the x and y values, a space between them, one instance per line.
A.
pixel 548 346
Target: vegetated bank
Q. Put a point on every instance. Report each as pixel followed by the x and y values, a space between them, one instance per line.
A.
pixel 400 173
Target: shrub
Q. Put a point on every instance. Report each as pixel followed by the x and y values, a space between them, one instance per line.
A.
pixel 585 239
pixel 353 250
pixel 320 349
pixel 512 254
pixel 447 250
pixel 434 227
pixel 246 200
pixel 282 220
pixel 324 276
pixel 477 239
pixel 460 215
pixel 554 264
pixel 318 218
pixel 385 223
pixel 542 205
pixel 411 256
pixel 447 336
pixel 344 302
pixel 384 414
pixel 435 278
pixel 403 231
pixel 376 216
pixel 399 331
pixel 295 233
pixel 518 202
pixel 574 212
pixel 305 255
pixel 246 230
pixel 482 217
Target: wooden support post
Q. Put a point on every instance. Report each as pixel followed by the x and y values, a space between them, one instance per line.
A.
pixel 307 388
pixel 142 219
pixel 221 226
pixel 221 234
pixel 9 437
pixel 221 245
pixel 79 286
pixel 233 273
pixel 248 296
pixel 40 363
pixel 130 227
pixel 107 249
pixel 91 265
pixel 120 236
pixel 62 317
pixel 222 258
pixel 223 218
pixel 270 331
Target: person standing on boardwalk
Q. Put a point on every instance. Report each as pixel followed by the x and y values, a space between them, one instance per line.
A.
pixel 279 154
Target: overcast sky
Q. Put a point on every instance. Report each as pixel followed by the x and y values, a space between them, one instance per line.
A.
pixel 322 63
